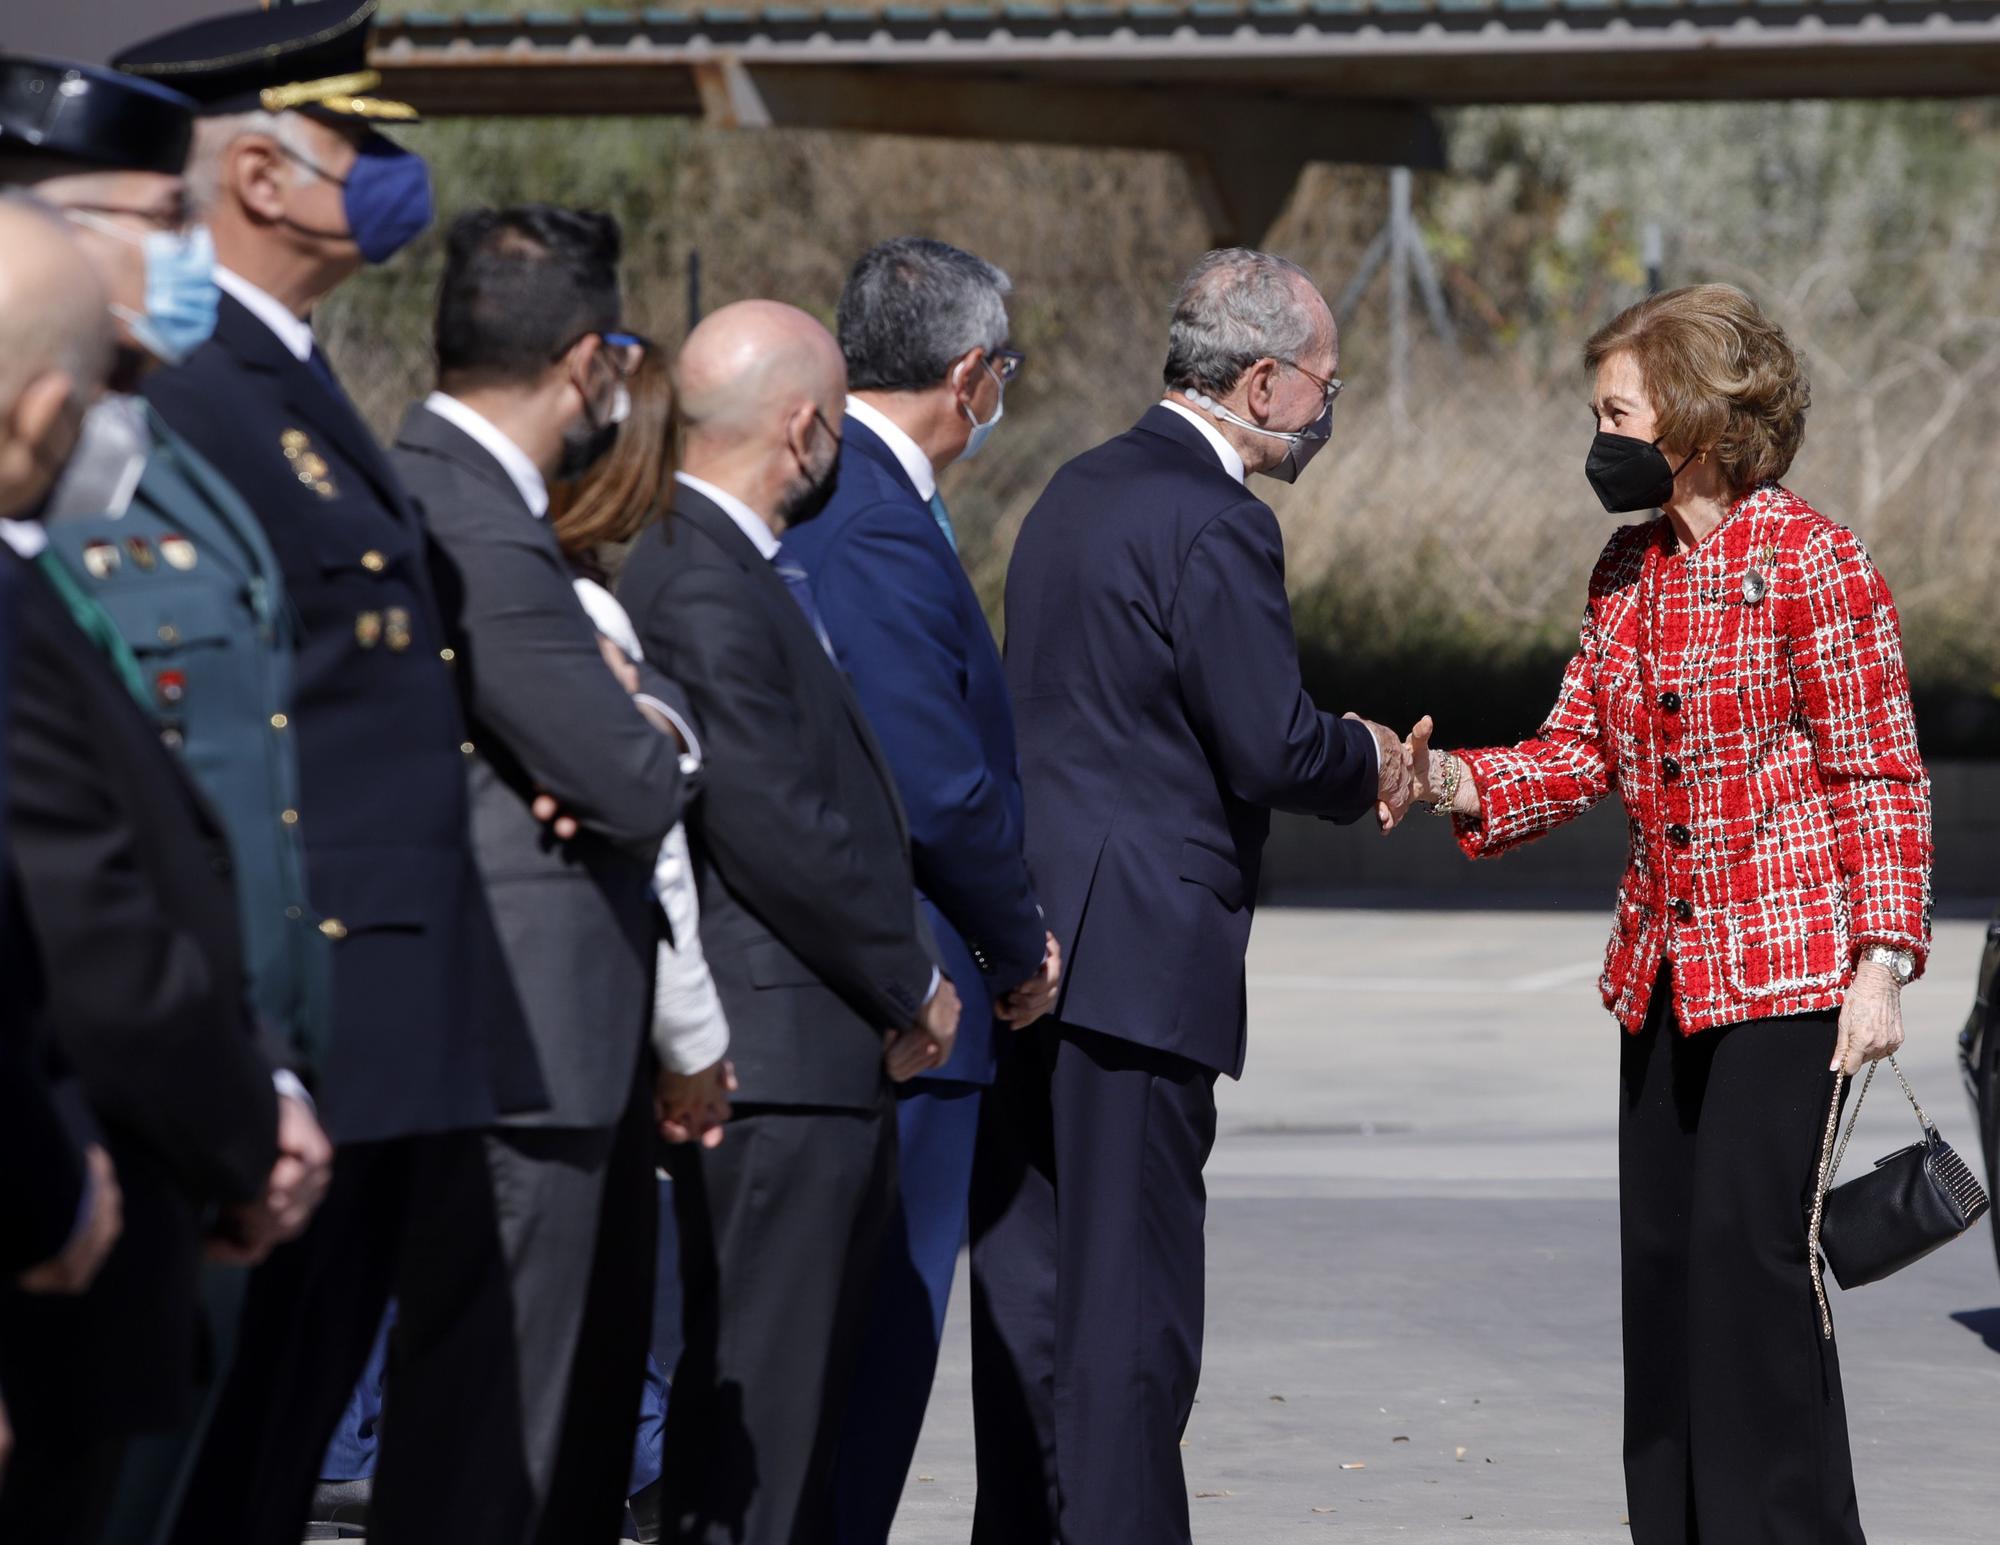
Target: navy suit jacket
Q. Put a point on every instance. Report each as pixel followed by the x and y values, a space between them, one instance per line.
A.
pixel 426 1033
pixel 913 640
pixel 1155 678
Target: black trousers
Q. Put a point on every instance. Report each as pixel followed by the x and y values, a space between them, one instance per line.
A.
pixel 1087 1288
pixel 414 1216
pixel 781 1228
pixel 1735 1430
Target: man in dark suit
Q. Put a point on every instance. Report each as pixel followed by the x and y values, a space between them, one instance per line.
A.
pixel 531 370
pixel 426 1042
pixel 126 973
pixel 1155 676
pixel 923 328
pixel 811 929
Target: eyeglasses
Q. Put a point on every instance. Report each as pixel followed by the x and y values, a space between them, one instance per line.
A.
pixel 1328 385
pixel 626 352
pixel 1005 364
pixel 175 218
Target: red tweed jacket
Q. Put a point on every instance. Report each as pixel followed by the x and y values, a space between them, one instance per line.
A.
pixel 1748 702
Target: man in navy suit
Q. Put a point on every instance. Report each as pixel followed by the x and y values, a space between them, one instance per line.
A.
pixel 923 327
pixel 1155 679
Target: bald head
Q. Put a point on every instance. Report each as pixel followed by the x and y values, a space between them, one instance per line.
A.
pixel 55 348
pixel 760 388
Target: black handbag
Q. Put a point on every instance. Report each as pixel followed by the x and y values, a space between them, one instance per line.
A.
pixel 1917 1199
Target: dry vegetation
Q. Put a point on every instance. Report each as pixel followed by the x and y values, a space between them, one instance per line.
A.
pixel 1438 562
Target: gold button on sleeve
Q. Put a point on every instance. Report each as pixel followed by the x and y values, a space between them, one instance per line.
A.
pixel 466 746
pixel 279 721
pixel 373 561
pixel 447 655
pixel 289 817
pixel 333 928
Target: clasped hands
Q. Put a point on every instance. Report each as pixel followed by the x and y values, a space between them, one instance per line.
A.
pixel 1406 770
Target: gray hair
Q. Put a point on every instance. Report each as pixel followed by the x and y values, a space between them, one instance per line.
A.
pixel 1235 308
pixel 214 136
pixel 911 307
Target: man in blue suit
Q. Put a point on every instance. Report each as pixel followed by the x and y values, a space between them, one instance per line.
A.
pixel 924 330
pixel 1152 662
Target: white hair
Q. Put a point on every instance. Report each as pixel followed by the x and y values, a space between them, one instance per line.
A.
pixel 214 136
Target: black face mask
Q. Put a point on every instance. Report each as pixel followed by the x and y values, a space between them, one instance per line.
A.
pixel 807 500
pixel 1629 475
pixel 587 442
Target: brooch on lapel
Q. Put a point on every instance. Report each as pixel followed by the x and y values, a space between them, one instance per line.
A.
pixel 308 466
pixel 1755 585
pixel 101 559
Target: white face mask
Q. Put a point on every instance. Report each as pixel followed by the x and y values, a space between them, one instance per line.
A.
pixel 982 432
pixel 1301 444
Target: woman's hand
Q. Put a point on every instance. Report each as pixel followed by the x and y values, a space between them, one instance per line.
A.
pixel 1871 1020
pixel 1418 749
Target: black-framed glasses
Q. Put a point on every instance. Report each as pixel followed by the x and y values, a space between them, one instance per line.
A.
pixel 1329 385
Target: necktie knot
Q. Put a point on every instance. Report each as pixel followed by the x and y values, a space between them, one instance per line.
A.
pixel 943 518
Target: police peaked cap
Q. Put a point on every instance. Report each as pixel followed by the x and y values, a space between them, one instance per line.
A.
pixel 95 117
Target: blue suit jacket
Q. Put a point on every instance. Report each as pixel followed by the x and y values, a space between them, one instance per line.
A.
pixel 910 633
pixel 1155 677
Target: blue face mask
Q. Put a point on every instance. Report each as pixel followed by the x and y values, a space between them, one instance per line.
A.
pixel 181 295
pixel 981 433
pixel 386 196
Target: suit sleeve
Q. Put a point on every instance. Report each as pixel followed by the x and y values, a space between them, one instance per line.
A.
pixel 42 1161
pixel 1237 658
pixel 537 683
pixel 843 908
pixel 161 1047
pixel 1847 660
pixel 892 609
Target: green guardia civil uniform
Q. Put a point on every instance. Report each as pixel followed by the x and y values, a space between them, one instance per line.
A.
pixel 166 547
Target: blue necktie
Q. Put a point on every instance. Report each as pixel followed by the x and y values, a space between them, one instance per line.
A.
pixel 316 362
pixel 801 588
pixel 943 517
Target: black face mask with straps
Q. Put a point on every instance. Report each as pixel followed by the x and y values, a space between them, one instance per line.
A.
pixel 1629 475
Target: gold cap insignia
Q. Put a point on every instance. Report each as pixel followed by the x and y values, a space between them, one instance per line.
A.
pixel 337 94
pixel 100 559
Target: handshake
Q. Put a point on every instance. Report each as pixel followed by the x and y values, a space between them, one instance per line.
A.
pixel 1410 772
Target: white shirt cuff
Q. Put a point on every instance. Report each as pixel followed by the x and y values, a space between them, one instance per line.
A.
pixel 691 759
pixel 937 981
pixel 287 1083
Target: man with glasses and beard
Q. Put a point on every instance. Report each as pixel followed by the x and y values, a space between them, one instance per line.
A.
pixel 826 969
pixel 531 387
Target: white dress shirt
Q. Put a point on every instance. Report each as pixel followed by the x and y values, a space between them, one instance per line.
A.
pixel 690 1030
pixel 909 455
pixel 1227 454
pixel 295 333
pixel 26 537
pixel 495 441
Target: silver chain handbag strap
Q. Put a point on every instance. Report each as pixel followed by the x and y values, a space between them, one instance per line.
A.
pixel 1829 1166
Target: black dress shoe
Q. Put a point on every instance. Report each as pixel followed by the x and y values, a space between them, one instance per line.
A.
pixel 339 1510
pixel 648 1524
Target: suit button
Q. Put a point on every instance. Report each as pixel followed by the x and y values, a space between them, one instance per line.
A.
pixel 1670 768
pixel 169 634
pixel 1670 702
pixel 373 561
pixel 289 817
pixel 465 748
pixel 447 655
pixel 279 721
pixel 294 913
pixel 1684 910
pixel 333 928
pixel 1679 835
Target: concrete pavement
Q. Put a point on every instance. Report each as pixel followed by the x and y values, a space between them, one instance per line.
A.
pixel 1413 1264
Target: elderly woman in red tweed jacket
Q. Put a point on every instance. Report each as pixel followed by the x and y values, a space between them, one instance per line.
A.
pixel 1740 683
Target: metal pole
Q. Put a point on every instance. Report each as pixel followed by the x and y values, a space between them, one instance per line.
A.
pixel 1399 298
pixel 694 289
pixel 1653 253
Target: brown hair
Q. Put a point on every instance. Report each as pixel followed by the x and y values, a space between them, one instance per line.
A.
pixel 1722 377
pixel 597 516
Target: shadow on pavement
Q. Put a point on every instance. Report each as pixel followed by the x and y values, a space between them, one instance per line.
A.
pixel 1983 1323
